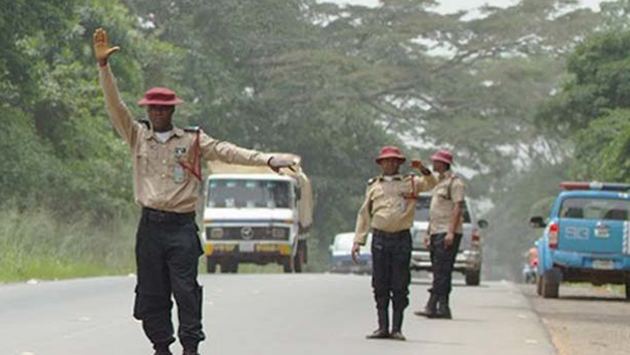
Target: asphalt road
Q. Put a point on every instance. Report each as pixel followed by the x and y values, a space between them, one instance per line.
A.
pixel 267 314
pixel 585 320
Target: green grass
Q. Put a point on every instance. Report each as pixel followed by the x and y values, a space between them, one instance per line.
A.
pixel 36 245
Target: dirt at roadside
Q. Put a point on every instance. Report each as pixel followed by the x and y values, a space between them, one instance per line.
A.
pixel 585 320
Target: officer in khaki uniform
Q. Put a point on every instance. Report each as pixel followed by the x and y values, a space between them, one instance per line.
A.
pixel 444 233
pixel 167 173
pixel 388 210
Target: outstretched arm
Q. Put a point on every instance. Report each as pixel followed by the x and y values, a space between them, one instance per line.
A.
pixel 212 149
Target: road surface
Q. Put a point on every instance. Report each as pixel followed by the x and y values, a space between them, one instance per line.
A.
pixel 585 320
pixel 267 314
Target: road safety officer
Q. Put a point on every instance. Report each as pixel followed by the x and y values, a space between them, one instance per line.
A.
pixel 444 233
pixel 388 210
pixel 166 170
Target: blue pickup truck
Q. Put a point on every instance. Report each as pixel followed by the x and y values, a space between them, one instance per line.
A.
pixel 586 238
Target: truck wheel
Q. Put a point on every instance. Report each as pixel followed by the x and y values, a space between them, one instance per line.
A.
pixel 299 260
pixel 473 278
pixel 550 286
pixel 539 285
pixel 234 266
pixel 287 265
pixel 226 266
pixel 211 266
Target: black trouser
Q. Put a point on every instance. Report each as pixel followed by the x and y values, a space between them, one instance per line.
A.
pixel 442 262
pixel 391 255
pixel 167 256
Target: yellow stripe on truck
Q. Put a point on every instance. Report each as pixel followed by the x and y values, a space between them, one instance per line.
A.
pixel 285 249
pixel 209 249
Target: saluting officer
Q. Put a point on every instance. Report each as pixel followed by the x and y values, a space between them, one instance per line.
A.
pixel 444 233
pixel 388 210
pixel 166 171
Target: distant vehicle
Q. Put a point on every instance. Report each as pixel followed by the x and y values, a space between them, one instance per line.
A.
pixel 586 239
pixel 469 257
pixel 254 215
pixel 341 255
pixel 530 267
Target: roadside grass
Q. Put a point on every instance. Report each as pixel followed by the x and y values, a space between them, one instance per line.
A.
pixel 36 245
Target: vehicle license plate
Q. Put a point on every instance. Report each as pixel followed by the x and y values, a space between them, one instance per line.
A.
pixel 246 247
pixel 603 264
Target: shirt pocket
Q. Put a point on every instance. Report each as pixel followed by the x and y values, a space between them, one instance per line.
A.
pixel 142 160
pixel 442 192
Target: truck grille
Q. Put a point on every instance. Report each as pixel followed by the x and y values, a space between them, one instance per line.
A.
pixel 247 233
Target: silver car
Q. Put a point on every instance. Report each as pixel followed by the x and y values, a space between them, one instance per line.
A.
pixel 341 255
pixel 469 257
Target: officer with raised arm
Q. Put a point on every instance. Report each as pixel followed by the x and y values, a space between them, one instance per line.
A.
pixel 166 176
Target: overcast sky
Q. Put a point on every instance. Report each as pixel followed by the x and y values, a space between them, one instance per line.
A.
pixel 455 5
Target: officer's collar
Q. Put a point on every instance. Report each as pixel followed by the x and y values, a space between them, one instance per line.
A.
pixel 396 177
pixel 447 174
pixel 176 132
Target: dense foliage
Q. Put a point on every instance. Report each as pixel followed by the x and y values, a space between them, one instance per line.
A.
pixel 329 82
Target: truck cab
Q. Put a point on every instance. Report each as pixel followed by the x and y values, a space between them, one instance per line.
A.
pixel 254 215
pixel 586 237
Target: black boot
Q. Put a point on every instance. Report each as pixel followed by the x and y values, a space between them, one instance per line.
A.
pixel 383 325
pixel 443 309
pixel 190 349
pixel 397 326
pixel 162 349
pixel 430 310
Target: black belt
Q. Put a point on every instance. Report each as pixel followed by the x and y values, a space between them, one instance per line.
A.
pixel 399 234
pixel 167 216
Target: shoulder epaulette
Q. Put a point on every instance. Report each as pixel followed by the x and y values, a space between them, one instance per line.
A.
pixel 192 129
pixel 146 123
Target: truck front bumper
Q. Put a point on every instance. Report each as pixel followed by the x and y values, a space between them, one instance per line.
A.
pixel 240 248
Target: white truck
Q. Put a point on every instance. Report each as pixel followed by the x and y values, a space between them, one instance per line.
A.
pixel 255 215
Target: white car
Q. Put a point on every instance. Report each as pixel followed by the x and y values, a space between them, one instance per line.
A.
pixel 469 257
pixel 341 255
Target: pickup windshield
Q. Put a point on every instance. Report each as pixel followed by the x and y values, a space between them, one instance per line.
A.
pixel 595 208
pixel 244 193
pixel 422 210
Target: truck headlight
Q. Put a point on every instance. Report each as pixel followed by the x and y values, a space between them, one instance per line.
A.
pixel 216 233
pixel 279 233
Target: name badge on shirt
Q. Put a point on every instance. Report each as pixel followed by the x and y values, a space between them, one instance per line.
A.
pixel 178 170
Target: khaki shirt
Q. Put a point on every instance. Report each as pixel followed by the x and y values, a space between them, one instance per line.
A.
pixel 159 180
pixel 387 205
pixel 442 206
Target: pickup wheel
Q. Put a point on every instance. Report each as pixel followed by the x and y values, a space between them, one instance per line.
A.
pixel 473 278
pixel 550 286
pixel 211 265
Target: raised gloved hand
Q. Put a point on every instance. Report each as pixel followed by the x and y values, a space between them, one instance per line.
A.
pixel 102 50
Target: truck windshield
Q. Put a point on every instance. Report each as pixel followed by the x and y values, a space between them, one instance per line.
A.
pixel 595 208
pixel 244 193
pixel 422 210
